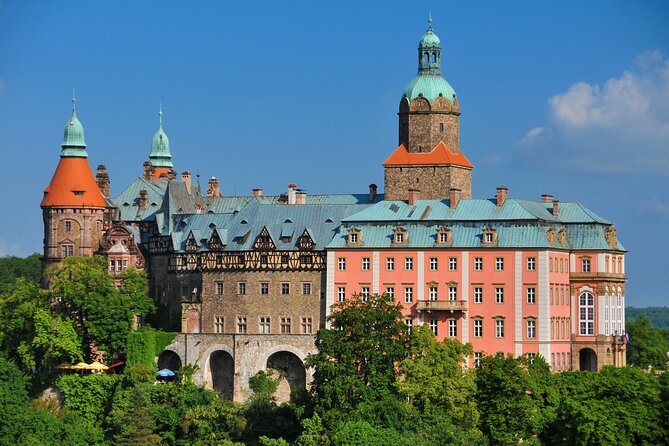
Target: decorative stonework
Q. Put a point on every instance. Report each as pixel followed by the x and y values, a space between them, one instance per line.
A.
pixel 400 237
pixel 354 237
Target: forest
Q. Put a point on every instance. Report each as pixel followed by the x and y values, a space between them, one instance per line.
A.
pixel 374 382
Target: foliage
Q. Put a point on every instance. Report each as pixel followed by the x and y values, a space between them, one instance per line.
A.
pixel 361 433
pixel 136 425
pixel 88 395
pixel 313 433
pixel 141 347
pixel 647 345
pixel 658 316
pixel 163 339
pixel 12 268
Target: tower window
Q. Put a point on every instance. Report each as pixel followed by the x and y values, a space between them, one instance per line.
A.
pixel 68 226
pixel 441 127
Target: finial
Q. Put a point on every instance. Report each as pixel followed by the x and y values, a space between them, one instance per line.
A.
pixel 160 114
pixel 429 21
pixel 74 101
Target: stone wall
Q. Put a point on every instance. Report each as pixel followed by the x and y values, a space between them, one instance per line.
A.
pixel 423 125
pixel 434 182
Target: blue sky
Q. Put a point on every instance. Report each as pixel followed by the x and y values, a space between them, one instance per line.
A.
pixel 569 98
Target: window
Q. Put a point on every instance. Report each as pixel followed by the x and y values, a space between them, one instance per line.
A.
pixel 285 288
pixel 453 264
pixel 531 357
pixel 218 324
pixel 499 328
pixel 364 293
pixel 264 325
pixel 433 263
pixel 365 263
pixel 488 237
pixel 341 294
pixel 443 236
pixel 264 259
pixel 306 325
pixel 550 264
pixel 585 265
pixel 112 265
pixel 478 263
pixel 241 288
pixel 433 326
pixel 219 288
pixel 184 290
pixel 452 292
pixel 390 264
pixel 264 287
pixel 587 314
pixel 478 295
pixel 408 294
pixel 241 324
pixel 408 263
pixel 561 265
pixel 409 324
pixel 441 127
pixel 67 250
pixel 499 263
pixel 341 264
pixel 68 226
pixel 531 263
pixel 353 237
pixel 477 359
pixel 399 237
pixel 478 328
pixel 531 295
pixel 499 295
pixel 452 328
pixel 285 325
pixel 531 328
pixel 432 293
pixel 306 288
pixel 390 291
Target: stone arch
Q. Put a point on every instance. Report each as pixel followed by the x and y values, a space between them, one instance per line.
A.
pixel 169 359
pixel 289 361
pixel 587 360
pixel 222 372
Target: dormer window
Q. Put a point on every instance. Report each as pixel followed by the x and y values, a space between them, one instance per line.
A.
pixel 610 235
pixel 489 237
pixel 444 236
pixel 550 235
pixel 354 237
pixel 562 236
pixel 400 236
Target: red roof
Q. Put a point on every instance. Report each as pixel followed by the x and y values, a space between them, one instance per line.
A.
pixel 73 185
pixel 440 155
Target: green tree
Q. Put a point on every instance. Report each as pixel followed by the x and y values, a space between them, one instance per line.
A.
pixel 647 345
pixel 136 425
pixel 54 340
pixel 12 268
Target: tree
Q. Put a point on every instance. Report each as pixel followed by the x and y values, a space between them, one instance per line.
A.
pixel 136 425
pixel 357 356
pixel 647 345
pixel 12 268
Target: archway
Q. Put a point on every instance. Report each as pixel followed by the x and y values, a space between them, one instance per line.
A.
pixel 293 374
pixel 222 368
pixel 169 360
pixel 587 360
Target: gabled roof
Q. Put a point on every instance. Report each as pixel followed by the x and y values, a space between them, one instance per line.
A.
pixel 440 155
pixel 73 185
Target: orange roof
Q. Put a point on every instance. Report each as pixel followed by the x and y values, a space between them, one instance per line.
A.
pixel 73 185
pixel 157 171
pixel 440 155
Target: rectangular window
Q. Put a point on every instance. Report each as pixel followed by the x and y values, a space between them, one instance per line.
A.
pixel 453 264
pixel 452 328
pixel 218 324
pixel 585 265
pixel 587 314
pixel 68 226
pixel 561 265
pixel 341 294
pixel 264 325
pixel 478 263
pixel 499 264
pixel 399 237
pixel 353 237
pixel 433 326
pixel 531 328
pixel 365 263
pixel 67 250
pixel 241 324
pixel 434 263
pixel 478 295
pixel 241 288
pixel 306 325
pixel 432 293
pixel 264 287
pixel 499 295
pixel 285 325
pixel 364 293
pixel 477 359
pixel 452 293
pixel 531 263
pixel 112 265
pixel 550 264
pixel 443 237
pixel 531 357
pixel 478 328
pixel 531 295
pixel 184 290
pixel 341 264
pixel 499 328
pixel 390 291
pixel 408 294
pixel 390 264
pixel 409 324
pixel 285 288
pixel 306 288
pixel 408 263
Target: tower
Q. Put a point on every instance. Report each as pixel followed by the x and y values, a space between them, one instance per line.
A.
pixel 428 159
pixel 73 207
pixel 160 158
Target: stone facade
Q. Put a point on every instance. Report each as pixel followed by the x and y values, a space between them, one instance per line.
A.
pixel 422 125
pixel 433 182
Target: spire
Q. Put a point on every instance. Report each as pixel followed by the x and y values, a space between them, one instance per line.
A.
pixel 160 155
pixel 73 137
pixel 429 51
pixel 429 22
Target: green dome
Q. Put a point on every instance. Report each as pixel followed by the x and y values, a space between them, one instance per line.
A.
pixel 73 138
pixel 429 86
pixel 160 155
pixel 429 39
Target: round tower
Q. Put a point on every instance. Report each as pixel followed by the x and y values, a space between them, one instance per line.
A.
pixel 73 207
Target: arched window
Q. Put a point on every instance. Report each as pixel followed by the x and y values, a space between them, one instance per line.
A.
pixel 434 57
pixel 426 58
pixel 586 314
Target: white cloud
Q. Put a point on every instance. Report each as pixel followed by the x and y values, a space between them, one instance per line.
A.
pixel 621 125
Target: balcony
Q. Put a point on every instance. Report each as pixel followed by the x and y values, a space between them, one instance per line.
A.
pixel 442 305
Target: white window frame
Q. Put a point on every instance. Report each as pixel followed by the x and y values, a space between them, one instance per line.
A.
pixel 499 295
pixel 478 328
pixel 365 263
pixel 478 263
pixel 408 294
pixel 586 313
pixel 408 263
pixel 478 294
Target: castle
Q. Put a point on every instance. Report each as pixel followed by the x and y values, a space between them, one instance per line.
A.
pixel 248 280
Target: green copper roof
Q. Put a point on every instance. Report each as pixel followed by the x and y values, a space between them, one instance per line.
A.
pixel 73 137
pixel 160 155
pixel 429 82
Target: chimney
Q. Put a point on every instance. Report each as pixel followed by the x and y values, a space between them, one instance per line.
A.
pixel 292 193
pixel 103 180
pixel 149 171
pixel 283 199
pixel 546 198
pixel 372 192
pixel 257 192
pixel 171 174
pixel 185 178
pixel 143 198
pixel 214 187
pixel 454 197
pixel 556 208
pixel 502 195
pixel 301 197
pixel 414 195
